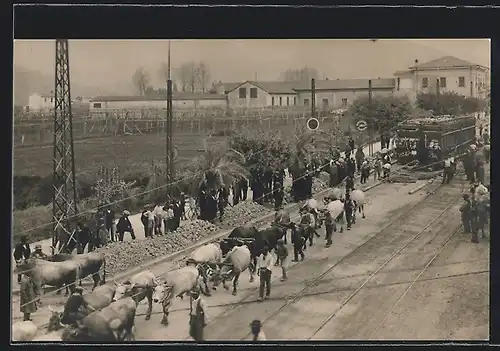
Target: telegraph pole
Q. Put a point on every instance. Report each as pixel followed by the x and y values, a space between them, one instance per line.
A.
pixel 370 145
pixel 169 171
pixel 437 96
pixel 313 98
pixel 63 171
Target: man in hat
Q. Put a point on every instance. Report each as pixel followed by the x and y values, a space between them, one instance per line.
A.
pixel 278 195
pixel 109 219
pixel 197 316
pixel 264 264
pixel 256 328
pixel 38 253
pixel 377 168
pixel 465 209
pixel 448 171
pixel 76 308
pixel 349 210
pixel 22 251
pixel 329 221
pixel 124 225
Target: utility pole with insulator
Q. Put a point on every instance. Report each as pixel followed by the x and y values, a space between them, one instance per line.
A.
pixel 313 98
pixel 168 130
pixel 64 194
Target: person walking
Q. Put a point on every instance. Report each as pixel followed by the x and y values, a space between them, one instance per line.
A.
pixel 22 251
pixel 298 242
pixel 264 264
pixel 82 237
pixel 465 210
pixel 144 221
pixel 349 183
pixel 328 228
pixel 257 332
pixel 197 316
pixel 28 297
pixel 282 258
pixel 448 171
pixel 351 144
pixel 377 169
pixel 278 195
pixel 124 225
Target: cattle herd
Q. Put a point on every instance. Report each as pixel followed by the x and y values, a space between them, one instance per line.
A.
pixel 114 305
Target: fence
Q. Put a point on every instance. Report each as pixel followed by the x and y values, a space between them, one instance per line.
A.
pixel 42 133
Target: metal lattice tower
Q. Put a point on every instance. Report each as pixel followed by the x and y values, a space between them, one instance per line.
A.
pixel 64 189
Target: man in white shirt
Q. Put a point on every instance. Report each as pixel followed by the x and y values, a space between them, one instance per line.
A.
pixel 265 264
pixel 447 172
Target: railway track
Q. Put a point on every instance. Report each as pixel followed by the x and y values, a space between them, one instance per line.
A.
pixel 417 227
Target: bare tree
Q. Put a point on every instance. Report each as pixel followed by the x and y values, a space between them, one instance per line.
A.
pixel 299 74
pixel 141 80
pixel 163 72
pixel 203 73
pixel 183 74
pixel 192 70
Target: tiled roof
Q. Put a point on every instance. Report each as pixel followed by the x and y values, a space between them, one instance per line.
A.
pixel 175 96
pixel 403 73
pixel 271 87
pixel 348 84
pixel 445 62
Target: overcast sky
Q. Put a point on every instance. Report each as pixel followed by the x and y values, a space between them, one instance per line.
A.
pixel 111 63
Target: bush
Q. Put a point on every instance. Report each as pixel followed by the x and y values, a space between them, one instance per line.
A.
pixel 384 113
pixel 449 103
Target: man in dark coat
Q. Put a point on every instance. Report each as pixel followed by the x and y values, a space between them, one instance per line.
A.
pixel 329 228
pixel 351 167
pixel 28 300
pixel 298 242
pixel 124 225
pixel 76 308
pixel 349 210
pixel 212 206
pixel 236 193
pixel 177 214
pixel 278 195
pixel 145 221
pixel 22 251
pixel 360 157
pixel 109 218
pixel 350 142
pixel 243 186
pixel 82 237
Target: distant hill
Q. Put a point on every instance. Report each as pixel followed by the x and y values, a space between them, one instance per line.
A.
pixel 27 82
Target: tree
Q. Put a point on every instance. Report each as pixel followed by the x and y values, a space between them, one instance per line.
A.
pixel 216 168
pixel 163 72
pixel 384 113
pixel 304 74
pixel 449 103
pixel 141 80
pixel 187 74
pixel 203 75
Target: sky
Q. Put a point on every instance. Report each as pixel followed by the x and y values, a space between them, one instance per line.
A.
pixel 111 63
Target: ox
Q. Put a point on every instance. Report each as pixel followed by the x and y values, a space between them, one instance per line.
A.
pixel 113 323
pixel 139 287
pixel 336 209
pixel 236 262
pixel 177 283
pixel 91 264
pixel 312 206
pixel 358 196
pixel 58 274
pixel 24 331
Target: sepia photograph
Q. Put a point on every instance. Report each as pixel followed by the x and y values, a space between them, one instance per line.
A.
pixel 250 190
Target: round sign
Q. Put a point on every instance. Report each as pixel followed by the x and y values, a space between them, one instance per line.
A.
pixel 361 125
pixel 312 124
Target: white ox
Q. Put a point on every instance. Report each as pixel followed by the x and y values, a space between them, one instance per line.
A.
pixel 237 261
pixel 210 253
pixel 177 283
pixel 358 196
pixel 336 210
pixel 24 331
pixel 139 287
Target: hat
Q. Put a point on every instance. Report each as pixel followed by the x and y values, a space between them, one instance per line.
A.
pixel 280 241
pixel 256 323
pixel 38 247
pixel 126 213
pixel 79 289
pixel 465 196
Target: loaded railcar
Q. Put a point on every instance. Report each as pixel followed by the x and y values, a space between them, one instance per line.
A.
pixel 433 138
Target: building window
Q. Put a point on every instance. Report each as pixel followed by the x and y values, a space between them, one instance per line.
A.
pixel 325 102
pixel 253 93
pixel 399 82
pixel 288 101
pixel 243 93
pixel 425 82
pixel 295 100
pixel 51 99
pixel 280 101
pixel 97 105
pixel 306 102
pixel 442 82
pixel 461 82
pixel 272 100
pixel 344 102
pixel 44 99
